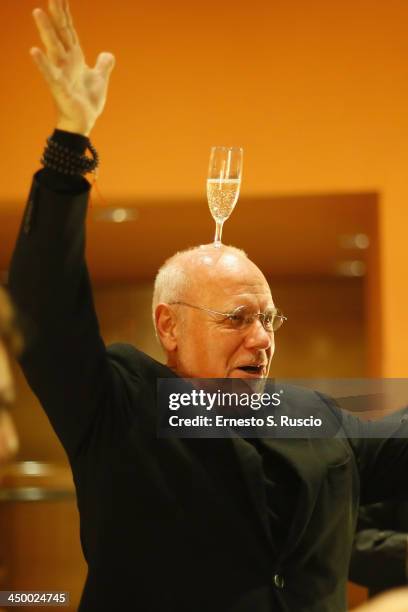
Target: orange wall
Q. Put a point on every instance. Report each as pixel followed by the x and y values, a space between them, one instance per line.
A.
pixel 316 92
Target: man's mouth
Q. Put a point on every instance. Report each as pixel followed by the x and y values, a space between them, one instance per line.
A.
pixel 255 371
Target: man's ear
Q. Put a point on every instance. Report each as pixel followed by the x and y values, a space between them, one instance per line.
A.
pixel 165 319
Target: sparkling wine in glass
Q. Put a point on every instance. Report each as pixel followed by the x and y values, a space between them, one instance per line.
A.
pixel 223 185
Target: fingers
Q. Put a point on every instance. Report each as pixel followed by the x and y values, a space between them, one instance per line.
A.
pixel 70 23
pixel 44 65
pixel 105 64
pixel 53 44
pixel 61 23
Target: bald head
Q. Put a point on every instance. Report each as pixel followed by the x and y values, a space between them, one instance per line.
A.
pixel 192 273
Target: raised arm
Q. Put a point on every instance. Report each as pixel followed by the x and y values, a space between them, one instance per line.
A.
pixel 65 361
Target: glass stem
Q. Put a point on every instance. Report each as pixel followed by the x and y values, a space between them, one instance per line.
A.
pixel 218 233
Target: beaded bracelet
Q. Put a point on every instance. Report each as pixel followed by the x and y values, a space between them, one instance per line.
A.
pixel 65 160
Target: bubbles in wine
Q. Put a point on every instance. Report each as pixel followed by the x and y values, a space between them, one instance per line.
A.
pixel 222 196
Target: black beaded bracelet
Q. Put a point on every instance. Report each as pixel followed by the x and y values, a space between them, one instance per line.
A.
pixel 65 160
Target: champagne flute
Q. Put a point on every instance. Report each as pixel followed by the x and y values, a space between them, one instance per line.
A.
pixel 223 185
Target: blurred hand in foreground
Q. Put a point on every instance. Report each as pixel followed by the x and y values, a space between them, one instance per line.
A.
pixel 8 437
pixel 10 342
pixel 393 601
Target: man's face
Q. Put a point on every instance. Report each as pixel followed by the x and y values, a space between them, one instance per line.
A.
pixel 209 346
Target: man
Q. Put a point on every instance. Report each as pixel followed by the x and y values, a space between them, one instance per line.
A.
pixel 9 342
pixel 176 524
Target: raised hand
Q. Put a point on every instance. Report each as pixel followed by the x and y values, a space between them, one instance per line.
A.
pixel 79 91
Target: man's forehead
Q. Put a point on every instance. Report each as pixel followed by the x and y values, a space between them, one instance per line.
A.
pixel 225 273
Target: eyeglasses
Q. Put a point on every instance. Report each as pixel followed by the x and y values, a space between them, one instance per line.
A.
pixel 241 317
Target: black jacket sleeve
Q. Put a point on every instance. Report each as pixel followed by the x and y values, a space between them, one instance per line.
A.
pixel 65 362
pixel 379 556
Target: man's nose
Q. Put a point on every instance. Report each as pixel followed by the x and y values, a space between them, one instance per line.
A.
pixel 258 337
